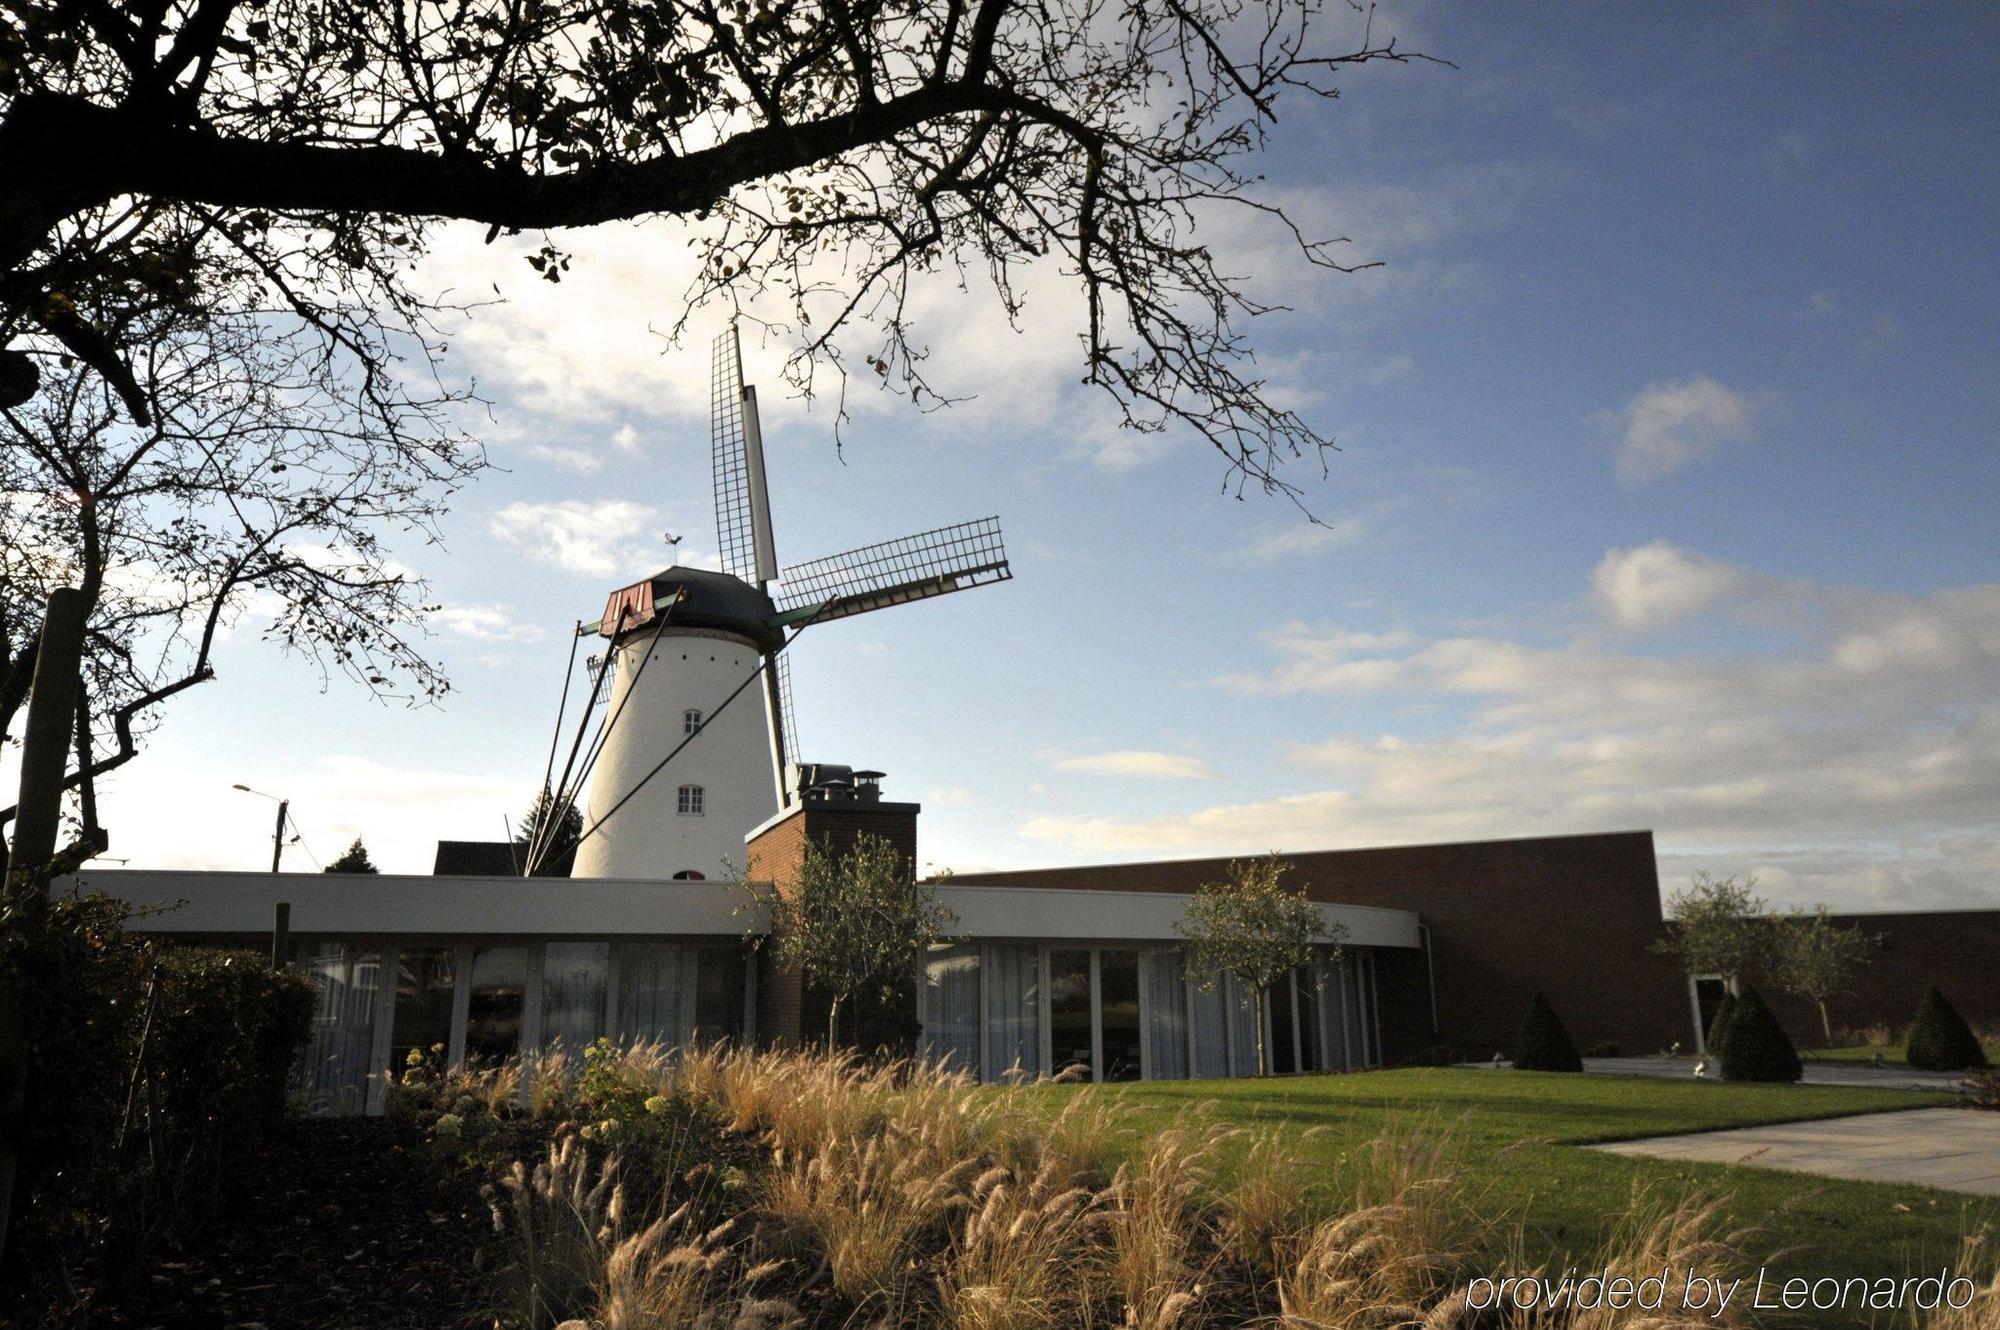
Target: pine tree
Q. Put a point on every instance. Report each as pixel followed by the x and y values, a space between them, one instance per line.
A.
pixel 354 859
pixel 1756 1047
pixel 1544 1044
pixel 559 854
pixel 1940 1040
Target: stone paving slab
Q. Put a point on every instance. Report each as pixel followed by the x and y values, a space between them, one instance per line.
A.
pixel 1953 1148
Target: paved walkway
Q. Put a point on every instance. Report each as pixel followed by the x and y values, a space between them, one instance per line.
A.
pixel 1816 1073
pixel 1954 1148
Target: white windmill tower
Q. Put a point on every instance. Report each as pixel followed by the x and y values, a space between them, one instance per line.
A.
pixel 697 741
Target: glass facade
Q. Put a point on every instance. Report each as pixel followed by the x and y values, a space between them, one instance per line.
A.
pixel 497 1002
pixel 1123 1013
pixel 1013 1012
pixel 424 978
pixel 338 1053
pixel 1119 1033
pixel 574 988
pixel 1004 1011
pixel 1070 1046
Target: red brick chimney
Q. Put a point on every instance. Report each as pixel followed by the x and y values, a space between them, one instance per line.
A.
pixel 788 1010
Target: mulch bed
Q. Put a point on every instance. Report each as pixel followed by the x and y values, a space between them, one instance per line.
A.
pixel 339 1223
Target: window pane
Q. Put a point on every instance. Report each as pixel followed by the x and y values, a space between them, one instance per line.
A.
pixel 1013 1013
pixel 423 1003
pixel 1357 1043
pixel 1311 1057
pixel 1166 1016
pixel 498 995
pixel 1242 1028
pixel 649 992
pixel 1283 1052
pixel 951 1007
pixel 1333 1012
pixel 343 1029
pixel 718 994
pixel 1211 1031
pixel 573 975
pixel 1069 1010
pixel 1118 1026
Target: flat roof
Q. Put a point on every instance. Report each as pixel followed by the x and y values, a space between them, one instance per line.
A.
pixel 211 903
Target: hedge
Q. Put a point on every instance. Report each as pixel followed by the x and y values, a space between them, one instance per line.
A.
pixel 152 1070
pixel 1940 1040
pixel 1544 1044
pixel 1755 1047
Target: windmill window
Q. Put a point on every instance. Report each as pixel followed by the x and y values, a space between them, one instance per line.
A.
pixel 690 721
pixel 690 801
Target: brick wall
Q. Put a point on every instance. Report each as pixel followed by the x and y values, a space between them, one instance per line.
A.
pixel 1958 951
pixel 1572 915
pixel 789 1010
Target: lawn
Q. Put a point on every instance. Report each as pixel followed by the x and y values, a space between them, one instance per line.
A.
pixel 1892 1054
pixel 1518 1133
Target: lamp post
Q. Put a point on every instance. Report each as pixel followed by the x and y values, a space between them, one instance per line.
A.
pixel 277 834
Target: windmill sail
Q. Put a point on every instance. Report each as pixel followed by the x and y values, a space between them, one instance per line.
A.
pixel 742 499
pixel 894 572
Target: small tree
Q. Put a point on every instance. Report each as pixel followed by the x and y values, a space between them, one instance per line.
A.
pixel 1940 1040
pixel 1814 958
pixel 1544 1044
pixel 857 923
pixel 354 859
pixel 1251 925
pixel 1719 928
pixel 1756 1047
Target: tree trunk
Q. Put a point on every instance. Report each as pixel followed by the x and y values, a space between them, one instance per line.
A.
pixel 1257 1024
pixel 1825 1024
pixel 45 749
pixel 833 1024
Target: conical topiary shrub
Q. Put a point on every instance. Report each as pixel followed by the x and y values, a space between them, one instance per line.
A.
pixel 1756 1047
pixel 1940 1040
pixel 1544 1044
pixel 1718 1025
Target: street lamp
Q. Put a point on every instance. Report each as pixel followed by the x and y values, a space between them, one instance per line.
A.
pixel 277 835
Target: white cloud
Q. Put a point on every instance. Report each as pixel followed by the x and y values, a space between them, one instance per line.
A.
pixel 1141 763
pixel 484 623
pixel 1861 747
pixel 949 796
pixel 610 536
pixel 580 460
pixel 1670 425
pixel 1300 537
pixel 1658 584
pixel 400 812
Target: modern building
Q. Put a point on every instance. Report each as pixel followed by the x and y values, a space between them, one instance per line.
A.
pixel 1434 952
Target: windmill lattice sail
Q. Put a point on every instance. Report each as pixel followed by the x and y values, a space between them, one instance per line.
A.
pixel 742 498
pixel 893 572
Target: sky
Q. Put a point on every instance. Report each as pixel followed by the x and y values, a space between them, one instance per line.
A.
pixel 1664 499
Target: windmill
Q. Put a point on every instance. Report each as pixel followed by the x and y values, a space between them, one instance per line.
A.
pixel 698 741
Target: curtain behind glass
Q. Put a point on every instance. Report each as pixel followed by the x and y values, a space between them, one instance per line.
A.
pixel 650 985
pixel 1211 1031
pixel 951 1008
pixel 1166 1017
pixel 573 983
pixel 1333 1016
pixel 1242 1029
pixel 1013 1013
pixel 343 1030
